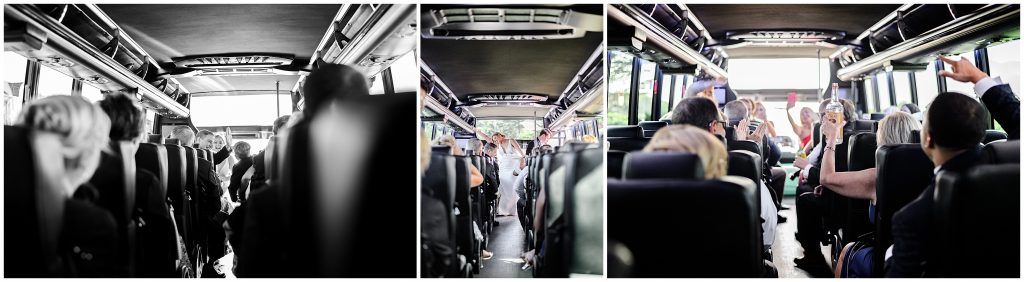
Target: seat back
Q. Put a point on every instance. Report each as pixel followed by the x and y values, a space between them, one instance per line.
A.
pixel 862 151
pixel 745 145
pixel 177 169
pixel 877 116
pixel 464 220
pixel 978 221
pixel 616 161
pixel 115 181
pixel 723 241
pixel 662 165
pixel 993 135
pixel 270 156
pixel 153 158
pixel 154 138
pixel 1002 152
pixel 626 138
pixel 903 172
pixel 915 136
pixel 650 127
pixel 33 203
pixel 865 125
pixel 585 210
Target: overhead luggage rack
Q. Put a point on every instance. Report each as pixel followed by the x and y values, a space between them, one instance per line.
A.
pixel 69 40
pixel 441 100
pixel 581 91
pixel 506 23
pixel 907 38
pixel 674 31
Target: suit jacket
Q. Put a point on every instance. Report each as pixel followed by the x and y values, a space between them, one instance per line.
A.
pixel 259 172
pixel 912 225
pixel 235 189
pixel 1005 108
pixel 221 155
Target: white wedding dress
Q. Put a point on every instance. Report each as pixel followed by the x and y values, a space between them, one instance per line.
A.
pixel 508 162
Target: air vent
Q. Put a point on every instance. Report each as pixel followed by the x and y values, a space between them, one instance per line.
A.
pixel 784 37
pixel 508 98
pixel 219 62
pixel 509 23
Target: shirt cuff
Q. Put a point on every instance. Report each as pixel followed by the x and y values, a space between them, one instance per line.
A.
pixel 985 84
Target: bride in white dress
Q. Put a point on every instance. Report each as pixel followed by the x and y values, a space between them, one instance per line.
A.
pixel 510 156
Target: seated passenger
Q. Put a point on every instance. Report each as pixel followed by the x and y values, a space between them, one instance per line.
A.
pixel 205 140
pixel 699 112
pixel 893 129
pixel 224 167
pixel 156 258
pixel 738 115
pixel 89 237
pixel 715 159
pixel 953 128
pixel 475 179
pixel 212 209
pixel 997 96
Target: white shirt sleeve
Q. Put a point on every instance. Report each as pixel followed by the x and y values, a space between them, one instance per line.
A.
pixel 985 84
pixel 770 216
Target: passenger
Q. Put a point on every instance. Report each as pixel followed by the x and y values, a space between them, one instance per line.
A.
pixel 953 128
pixel 761 113
pixel 259 175
pixel 893 129
pixel 996 95
pixel 510 159
pixel 224 167
pixel 810 208
pixel 205 140
pixel 239 181
pixel 541 140
pixel 736 112
pixel 806 126
pixel 700 112
pixel 89 237
pixel 475 178
pixel 156 254
pixel 213 211
pixel 891 109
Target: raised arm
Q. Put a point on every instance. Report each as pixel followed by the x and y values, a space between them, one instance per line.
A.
pixel 853 184
pixel 483 135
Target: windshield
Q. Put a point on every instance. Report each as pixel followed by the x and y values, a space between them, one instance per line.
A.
pixel 239 110
pixel 520 129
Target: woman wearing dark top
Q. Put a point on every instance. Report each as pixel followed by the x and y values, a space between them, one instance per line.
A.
pixel 238 185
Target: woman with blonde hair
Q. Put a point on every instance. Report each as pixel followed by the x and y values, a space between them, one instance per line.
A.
pixel 697 141
pixel 78 132
pixel 715 159
pixel 510 162
pixel 475 179
pixel 896 128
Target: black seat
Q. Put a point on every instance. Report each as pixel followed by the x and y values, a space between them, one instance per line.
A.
pixel 915 136
pixel 616 161
pixel 439 182
pixel 993 135
pixel 33 203
pixel 468 245
pixel 626 138
pixel 1001 152
pixel 270 156
pixel 114 179
pixel 978 222
pixel 584 210
pixel 877 116
pixel 192 195
pixel 903 172
pixel 650 127
pixel 663 165
pixel 865 125
pixel 154 138
pixel 862 147
pixel 728 240
pixel 745 145
pixel 156 242
pixel 177 168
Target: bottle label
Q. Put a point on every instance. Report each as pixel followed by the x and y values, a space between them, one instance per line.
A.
pixel 836 118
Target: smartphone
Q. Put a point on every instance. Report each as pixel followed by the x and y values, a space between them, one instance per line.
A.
pixel 791 100
pixel 720 95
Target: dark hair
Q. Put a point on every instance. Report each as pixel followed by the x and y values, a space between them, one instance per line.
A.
pixel 126 118
pixel 956 121
pixel 280 122
pixel 329 82
pixel 912 108
pixel 544 132
pixel 696 111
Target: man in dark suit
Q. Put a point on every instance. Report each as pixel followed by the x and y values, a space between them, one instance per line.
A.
pixel 954 125
pixel 541 140
pixel 997 96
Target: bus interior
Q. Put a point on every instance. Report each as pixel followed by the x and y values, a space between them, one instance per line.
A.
pixel 231 70
pixel 518 70
pixel 882 56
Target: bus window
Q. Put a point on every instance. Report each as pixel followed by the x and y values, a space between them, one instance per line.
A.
pixel 901 81
pixel 238 110
pixel 91 93
pixel 150 119
pixel 52 82
pixel 1004 62
pixel 519 129
pixel 14 85
pixel 377 88
pixel 665 90
pixel 883 91
pixel 869 95
pixel 956 86
pixel 682 81
pixel 404 73
pixel 620 71
pixel 927 86
pixel 645 103
pixel 801 73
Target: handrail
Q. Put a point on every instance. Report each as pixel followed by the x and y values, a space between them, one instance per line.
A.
pixel 657 34
pixel 66 42
pixel 982 18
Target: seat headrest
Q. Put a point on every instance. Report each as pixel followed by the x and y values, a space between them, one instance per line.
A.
pixel 903 171
pixel 441 149
pixel 652 125
pixel 877 116
pixel 625 131
pixel 153 158
pixel 862 151
pixel 154 138
pixel 864 125
pixel 173 141
pixel 915 136
pixel 662 165
pixel 744 145
pixel 745 164
pixel 1002 152
pixel 993 135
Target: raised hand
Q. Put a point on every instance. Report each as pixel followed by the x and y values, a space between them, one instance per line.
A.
pixel 963 70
